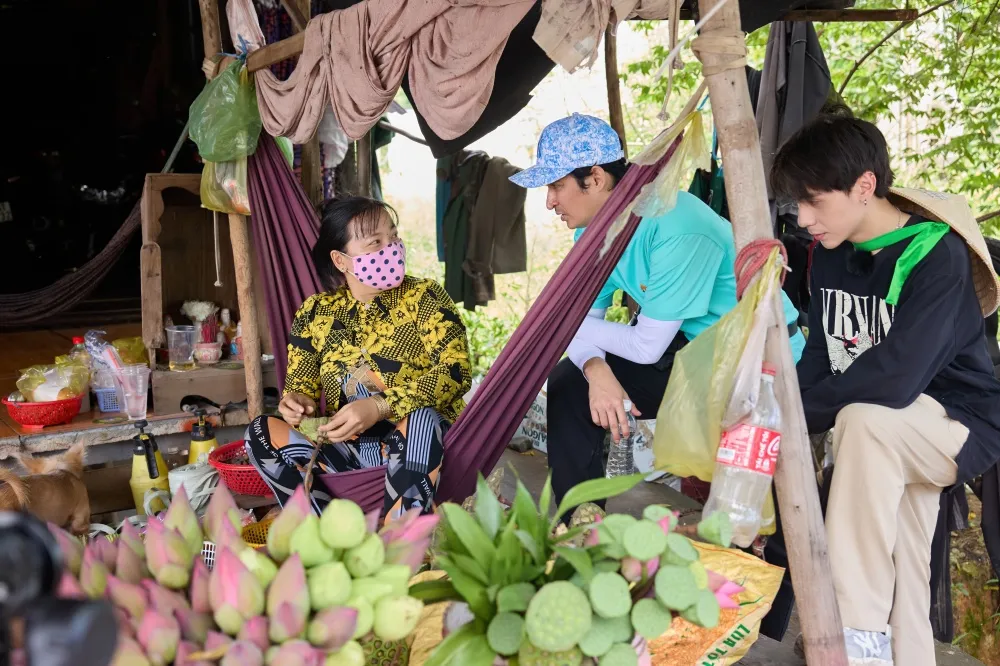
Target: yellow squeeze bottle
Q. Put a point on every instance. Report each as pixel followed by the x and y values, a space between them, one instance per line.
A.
pixel 148 470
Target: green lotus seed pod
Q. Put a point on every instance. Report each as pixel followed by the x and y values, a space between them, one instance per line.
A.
pixel 700 574
pixel 506 633
pixel 679 551
pixel 620 627
pixel 620 654
pixel 366 615
pixel 676 587
pixel 656 512
pixel 606 566
pixel 716 529
pixel 617 523
pixel 601 637
pixel 529 655
pixel 609 595
pixel 367 558
pixel 558 616
pixel 644 540
pixel 610 545
pixel 650 618
pixel 515 598
pixel 704 612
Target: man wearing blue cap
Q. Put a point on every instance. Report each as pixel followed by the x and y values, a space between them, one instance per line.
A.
pixel 679 269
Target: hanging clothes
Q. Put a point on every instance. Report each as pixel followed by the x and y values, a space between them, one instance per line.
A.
pixel 466 170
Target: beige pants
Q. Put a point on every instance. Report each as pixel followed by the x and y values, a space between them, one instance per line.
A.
pixel 891 465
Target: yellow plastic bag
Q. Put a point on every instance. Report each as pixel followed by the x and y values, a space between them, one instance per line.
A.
pixel 60 381
pixel 132 351
pixel 689 421
pixel 224 187
pixel 738 628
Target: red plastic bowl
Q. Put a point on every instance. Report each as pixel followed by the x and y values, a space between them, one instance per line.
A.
pixel 240 479
pixel 37 415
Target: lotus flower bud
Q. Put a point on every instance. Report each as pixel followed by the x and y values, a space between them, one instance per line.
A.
pixel 343 524
pixel 367 558
pixel 69 587
pixel 352 654
pixel 234 593
pixel 329 585
pixel 396 617
pixel 125 625
pixel 370 589
pixel 93 574
pixel 107 551
pixel 129 653
pixel 260 565
pixel 70 547
pixel 184 650
pixel 333 627
pixel 307 543
pixel 130 537
pixel 167 555
pixel 221 508
pixel 288 602
pixel 724 590
pixel 407 539
pixel 255 631
pixel 129 566
pixel 159 635
pixel 669 522
pixel 372 520
pixel 181 517
pixel 631 569
pixel 229 537
pixel 366 616
pixel 163 600
pixel 296 653
pixel 129 597
pixel 396 575
pixel 279 534
pixel 198 592
pixel 215 640
pixel 243 653
pixel 194 626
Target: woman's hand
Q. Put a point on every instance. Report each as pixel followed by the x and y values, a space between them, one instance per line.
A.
pixel 351 420
pixel 294 407
pixel 607 399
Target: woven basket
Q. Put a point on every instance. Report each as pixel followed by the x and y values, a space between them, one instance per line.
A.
pixel 240 479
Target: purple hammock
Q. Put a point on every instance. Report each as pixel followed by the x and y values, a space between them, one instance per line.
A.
pixel 284 228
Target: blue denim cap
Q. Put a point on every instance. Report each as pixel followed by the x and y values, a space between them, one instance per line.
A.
pixel 568 144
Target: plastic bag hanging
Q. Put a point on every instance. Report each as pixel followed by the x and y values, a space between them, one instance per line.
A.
pixel 224 118
pixel 224 187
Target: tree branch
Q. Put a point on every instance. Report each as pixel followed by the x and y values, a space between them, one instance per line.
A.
pixel 988 216
pixel 888 36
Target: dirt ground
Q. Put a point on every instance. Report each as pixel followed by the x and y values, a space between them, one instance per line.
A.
pixel 975 592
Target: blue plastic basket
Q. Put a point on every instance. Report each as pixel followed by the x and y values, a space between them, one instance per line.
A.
pixel 107 400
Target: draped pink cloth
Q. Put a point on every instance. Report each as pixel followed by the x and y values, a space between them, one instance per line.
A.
pixel 354 60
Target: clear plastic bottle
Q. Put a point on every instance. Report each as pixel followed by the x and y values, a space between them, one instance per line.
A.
pixel 744 464
pixel 79 352
pixel 620 459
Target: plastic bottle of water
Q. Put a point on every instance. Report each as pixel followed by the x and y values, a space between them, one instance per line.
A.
pixel 744 464
pixel 620 460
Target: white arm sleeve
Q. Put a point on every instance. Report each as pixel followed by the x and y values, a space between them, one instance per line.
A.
pixel 580 350
pixel 643 343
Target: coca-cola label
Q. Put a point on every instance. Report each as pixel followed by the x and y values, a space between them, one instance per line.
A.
pixel 750 447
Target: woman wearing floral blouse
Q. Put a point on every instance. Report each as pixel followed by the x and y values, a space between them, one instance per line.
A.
pixel 383 354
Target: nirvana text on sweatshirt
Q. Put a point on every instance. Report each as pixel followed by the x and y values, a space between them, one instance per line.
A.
pixel 863 350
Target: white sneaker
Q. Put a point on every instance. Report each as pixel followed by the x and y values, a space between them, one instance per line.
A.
pixel 868 648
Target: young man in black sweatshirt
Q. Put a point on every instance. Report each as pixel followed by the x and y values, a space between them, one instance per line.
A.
pixel 896 365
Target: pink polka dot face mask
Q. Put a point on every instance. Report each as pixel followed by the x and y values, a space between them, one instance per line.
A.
pixel 382 269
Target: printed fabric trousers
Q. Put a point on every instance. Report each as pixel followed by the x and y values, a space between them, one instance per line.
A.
pixel 411 450
pixel 890 468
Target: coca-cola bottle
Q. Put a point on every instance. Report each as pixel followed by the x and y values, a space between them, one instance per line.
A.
pixel 745 463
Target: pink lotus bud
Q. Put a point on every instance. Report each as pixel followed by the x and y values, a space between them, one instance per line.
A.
pixel 221 508
pixel 279 534
pixel 184 650
pixel 107 550
pixel 163 600
pixel 129 653
pixel 159 635
pixel 333 627
pixel 131 538
pixel 229 537
pixel 255 631
pixel 234 592
pixel 70 546
pixel 125 624
pixel 593 537
pixel 167 556
pixel 652 566
pixel 631 569
pixel 408 538
pixel 724 590
pixel 669 522
pixel 129 566
pixel 296 653
pixel 129 597
pixel 194 626
pixel 93 574
pixel 244 653
pixel 198 591
pixel 372 519
pixel 181 517
pixel 288 601
pixel 215 640
pixel 69 587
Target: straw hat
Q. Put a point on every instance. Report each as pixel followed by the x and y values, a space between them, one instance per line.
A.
pixel 954 210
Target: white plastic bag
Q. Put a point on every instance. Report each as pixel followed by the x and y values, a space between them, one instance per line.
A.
pixel 746 384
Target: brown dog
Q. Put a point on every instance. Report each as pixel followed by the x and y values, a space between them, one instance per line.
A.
pixel 54 490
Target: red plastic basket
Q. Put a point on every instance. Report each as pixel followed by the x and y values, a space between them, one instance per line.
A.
pixel 240 479
pixel 36 415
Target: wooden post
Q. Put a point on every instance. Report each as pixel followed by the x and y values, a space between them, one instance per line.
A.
pixel 211 34
pixel 364 161
pixel 311 163
pixel 239 235
pixel 795 482
pixel 613 82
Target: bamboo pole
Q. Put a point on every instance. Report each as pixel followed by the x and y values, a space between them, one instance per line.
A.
pixel 239 235
pixel 613 81
pixel 312 168
pixel 364 157
pixel 722 51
